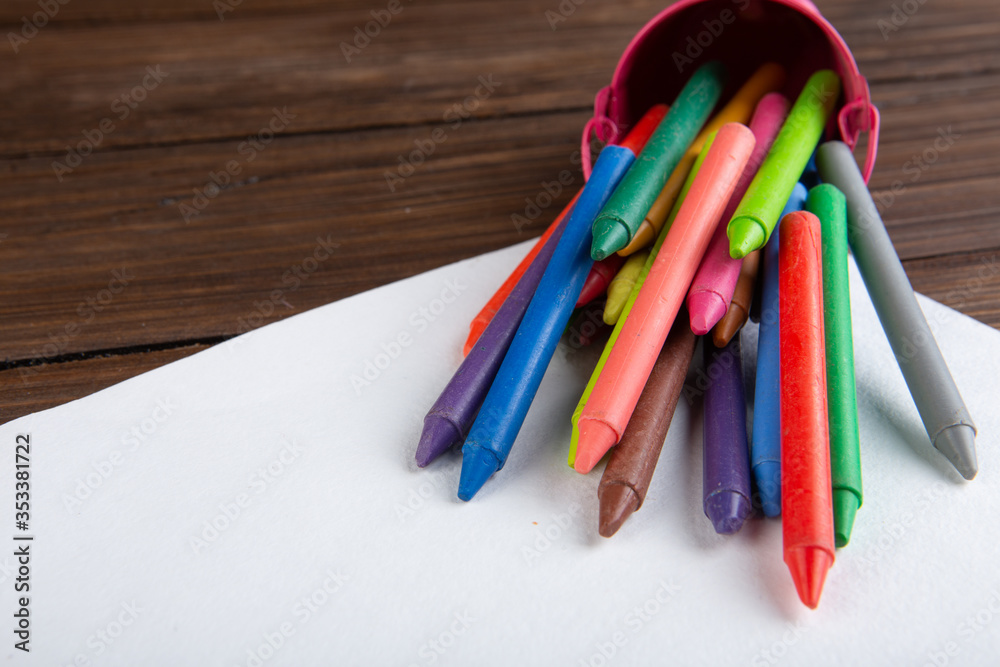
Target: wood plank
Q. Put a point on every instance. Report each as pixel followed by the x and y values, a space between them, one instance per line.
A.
pixel 223 78
pixel 27 390
pixel 123 211
pixel 969 283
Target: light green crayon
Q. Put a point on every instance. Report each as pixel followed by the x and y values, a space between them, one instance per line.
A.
pixel 575 436
pixel 764 200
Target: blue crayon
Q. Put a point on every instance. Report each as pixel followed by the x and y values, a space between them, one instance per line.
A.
pixel 492 434
pixel 765 442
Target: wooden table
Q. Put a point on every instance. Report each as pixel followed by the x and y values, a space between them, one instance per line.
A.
pixel 172 174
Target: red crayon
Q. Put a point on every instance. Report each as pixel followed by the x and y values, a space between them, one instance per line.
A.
pixel 600 276
pixel 806 494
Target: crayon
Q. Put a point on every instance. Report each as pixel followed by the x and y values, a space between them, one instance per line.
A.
pixel 483 318
pixel 448 421
pixel 758 211
pixel 585 325
pixel 628 366
pixel 621 216
pixel 767 78
pixel 621 286
pixel 636 288
pixel 938 401
pixel 739 307
pixel 828 204
pixel 630 468
pixel 600 276
pixel 765 441
pixel 726 478
pixel 806 496
pixel 715 281
pixel 492 434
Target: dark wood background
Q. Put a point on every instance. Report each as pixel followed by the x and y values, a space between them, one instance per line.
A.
pixel 192 282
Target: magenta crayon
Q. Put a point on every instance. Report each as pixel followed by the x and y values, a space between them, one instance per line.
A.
pixel 715 282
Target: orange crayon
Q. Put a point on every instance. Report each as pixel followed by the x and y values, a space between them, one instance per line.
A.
pixel 806 493
pixel 485 316
pixel 617 390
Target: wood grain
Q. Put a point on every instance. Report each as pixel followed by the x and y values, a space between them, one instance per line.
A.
pixel 320 183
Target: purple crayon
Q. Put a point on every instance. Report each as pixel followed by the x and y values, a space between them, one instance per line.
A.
pixel 727 455
pixel 453 412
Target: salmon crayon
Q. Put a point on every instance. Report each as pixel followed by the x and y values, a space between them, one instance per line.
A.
pixel 617 390
pixel 806 493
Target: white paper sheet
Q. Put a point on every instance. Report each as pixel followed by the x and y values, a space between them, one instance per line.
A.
pixel 251 505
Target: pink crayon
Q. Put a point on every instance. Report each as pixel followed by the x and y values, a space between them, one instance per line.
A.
pixel 713 285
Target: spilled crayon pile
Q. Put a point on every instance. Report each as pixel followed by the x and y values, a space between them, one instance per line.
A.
pixel 673 227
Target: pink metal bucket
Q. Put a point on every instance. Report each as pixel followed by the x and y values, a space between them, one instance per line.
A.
pixel 742 34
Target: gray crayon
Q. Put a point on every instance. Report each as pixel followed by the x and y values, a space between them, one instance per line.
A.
pixel 941 408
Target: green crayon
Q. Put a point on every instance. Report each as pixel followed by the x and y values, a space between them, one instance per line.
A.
pixel 621 217
pixel 830 206
pixel 761 206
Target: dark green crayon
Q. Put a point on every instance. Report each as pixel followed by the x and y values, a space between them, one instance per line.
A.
pixel 829 205
pixel 621 217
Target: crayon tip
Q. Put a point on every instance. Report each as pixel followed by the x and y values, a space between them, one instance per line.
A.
pixel 618 502
pixel 767 474
pixel 643 237
pixel 615 305
pixel 478 465
pixel 706 309
pixel 610 236
pixel 592 288
pixel 596 438
pixel 958 444
pixel 845 508
pixel 727 511
pixel 809 566
pixel 438 436
pixel 729 326
pixel 745 236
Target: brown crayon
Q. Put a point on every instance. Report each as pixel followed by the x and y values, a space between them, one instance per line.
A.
pixel 739 309
pixel 628 473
